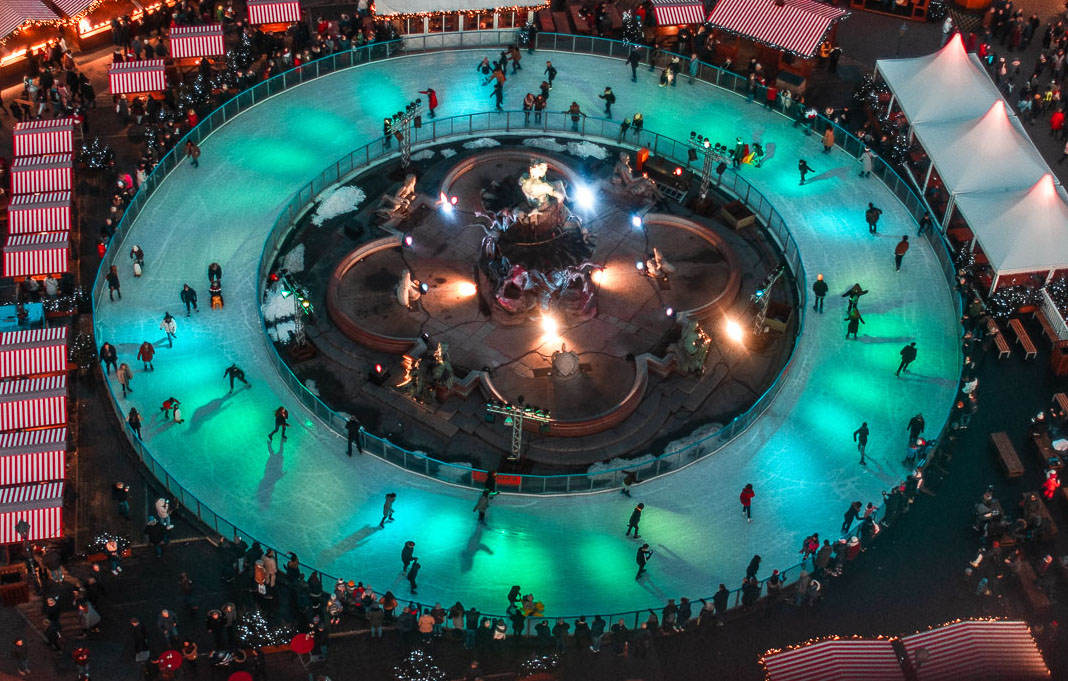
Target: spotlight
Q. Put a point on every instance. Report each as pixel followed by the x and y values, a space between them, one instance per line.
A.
pixel 596 276
pixel 378 374
pixel 454 200
pixel 640 265
pixel 670 312
pixel 678 170
pixel 446 204
pixel 734 331
pixel 708 143
pixel 467 289
pixel 584 198
pixel 636 221
pixel 407 240
pixel 548 325
pixel 424 287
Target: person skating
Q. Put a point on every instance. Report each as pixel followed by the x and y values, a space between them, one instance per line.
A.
pixel 855 320
pixel 431 100
pixel 544 92
pixel 188 296
pixel 642 558
pixel 406 555
pixel 860 436
pixel 109 357
pixel 738 154
pixel 234 372
pixel 899 252
pixel 871 216
pixel 819 289
pixel 550 73
pixel 853 293
pixel 387 507
pixel 925 224
pixel 528 106
pixel 134 419
pixel 576 113
pixel 746 497
pixel 908 356
pixel 539 107
pixel 170 327
pixel 145 353
pixel 498 96
pixel 114 286
pixel 867 161
pixel 481 506
pixel 516 57
pixel 915 427
pixel 281 420
pixel 803 168
pixel 352 429
pixel 609 99
pixel 828 139
pixel 193 152
pixel 851 514
pixel 623 127
pixel 413 573
pixel 138 257
pixel 214 272
pixel 635 518
pixel 634 60
pixel 125 375
pixel 169 405
pixel 629 478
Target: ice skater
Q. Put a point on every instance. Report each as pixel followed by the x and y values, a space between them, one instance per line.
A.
pixel 746 497
pixel 629 478
pixel 431 100
pixel 125 375
pixel 899 252
pixel 855 320
pixel 171 404
pixel 145 354
pixel 871 216
pixel 908 356
pixel 413 573
pixel 853 294
pixel 642 558
pixel 819 289
pixel 634 59
pixel 109 357
pixel 803 168
pixel 352 429
pixel 406 555
pixel 860 436
pixel 193 152
pixel 609 99
pixel 482 505
pixel 114 287
pixel 281 420
pixel 234 372
pixel 635 518
pixel 170 327
pixel 189 297
pixel 214 272
pixel 550 73
pixel 387 509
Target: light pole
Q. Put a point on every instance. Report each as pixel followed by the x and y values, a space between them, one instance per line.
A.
pixel 403 121
pixel 514 415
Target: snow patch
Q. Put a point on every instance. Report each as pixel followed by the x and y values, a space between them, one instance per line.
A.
pixel 276 308
pixel 481 143
pixel 312 386
pixel 587 149
pixel 613 464
pixel 448 153
pixel 282 332
pixel 339 202
pixel 424 155
pixel 546 143
pixel 294 260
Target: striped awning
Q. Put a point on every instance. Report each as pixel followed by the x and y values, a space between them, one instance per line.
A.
pixel 33 403
pixel 976 650
pixel 674 13
pixel 73 8
pixel 272 11
pixel 15 13
pixel 36 174
pixel 31 255
pixel 44 137
pixel 34 352
pixel 35 213
pixel 844 660
pixel 797 26
pixel 137 76
pixel 41 506
pixel 33 456
pixel 197 41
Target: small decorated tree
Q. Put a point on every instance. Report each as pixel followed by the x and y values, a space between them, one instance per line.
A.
pixel 633 32
pixel 418 666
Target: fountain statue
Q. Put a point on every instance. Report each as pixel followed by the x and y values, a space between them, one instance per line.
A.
pixel 541 193
pixel 565 364
pixel 691 350
pixel 408 291
pixel 657 266
pixel 638 186
pixel 395 207
pixel 441 374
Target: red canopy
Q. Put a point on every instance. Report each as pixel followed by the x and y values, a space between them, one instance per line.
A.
pixel 675 12
pixel 845 660
pixel 34 213
pixel 29 353
pixel 36 174
pixel 137 76
pixel 978 651
pixel 54 136
pixel 33 456
pixel 33 403
pixel 41 506
pixel 31 255
pixel 273 11
pixel 197 41
pixel 796 26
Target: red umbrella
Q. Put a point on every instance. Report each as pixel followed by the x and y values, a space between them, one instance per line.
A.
pixel 240 676
pixel 170 660
pixel 302 644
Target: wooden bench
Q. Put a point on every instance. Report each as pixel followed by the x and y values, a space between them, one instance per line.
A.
pixel 1044 449
pixel 1060 401
pixel 1048 528
pixel 999 338
pixel 545 21
pixel 1047 327
pixel 1010 461
pixel 1030 352
pixel 1036 597
pixel 563 25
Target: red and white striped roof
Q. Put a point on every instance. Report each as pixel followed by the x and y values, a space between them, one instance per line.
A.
pixel 31 353
pixel 34 213
pixel 33 456
pixel 35 138
pixel 977 650
pixel 845 660
pixel 137 76
pixel 674 12
pixel 41 506
pixel 36 174
pixel 797 27
pixel 272 11
pixel 14 13
pixel 33 403
pixel 197 41
pixel 30 255
pixel 73 8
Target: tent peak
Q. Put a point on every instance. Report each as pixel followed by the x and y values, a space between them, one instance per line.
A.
pixel 1045 187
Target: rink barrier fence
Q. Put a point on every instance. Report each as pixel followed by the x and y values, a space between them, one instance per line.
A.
pixel 428 43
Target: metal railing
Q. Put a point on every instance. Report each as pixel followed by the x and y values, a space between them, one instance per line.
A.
pixel 414 44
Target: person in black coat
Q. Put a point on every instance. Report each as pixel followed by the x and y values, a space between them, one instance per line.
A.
pixel 413 573
pixel 819 289
pixel 642 558
pixel 635 518
pixel 754 567
pixel 407 554
pixel 352 428
pixel 189 297
pixel 109 356
pixel 214 272
pixel 908 356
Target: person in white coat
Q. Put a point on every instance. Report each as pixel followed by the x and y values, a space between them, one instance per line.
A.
pixel 163 512
pixel 867 160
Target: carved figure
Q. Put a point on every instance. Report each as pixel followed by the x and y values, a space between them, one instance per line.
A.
pixel 408 292
pixel 538 190
pixel 691 350
pixel 639 185
pixel 565 363
pixel 398 204
pixel 658 267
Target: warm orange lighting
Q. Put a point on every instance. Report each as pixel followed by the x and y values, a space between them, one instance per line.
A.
pixel 734 331
pixel 467 289
pixel 597 276
pixel 549 327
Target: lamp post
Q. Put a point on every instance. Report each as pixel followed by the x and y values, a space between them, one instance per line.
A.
pixel 514 415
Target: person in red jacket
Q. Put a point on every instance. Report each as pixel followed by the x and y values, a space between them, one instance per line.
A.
pixel 1056 123
pixel 145 353
pixel 746 497
pixel 431 100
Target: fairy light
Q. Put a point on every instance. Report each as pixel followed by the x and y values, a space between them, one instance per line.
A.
pixel 419 665
pixel 253 630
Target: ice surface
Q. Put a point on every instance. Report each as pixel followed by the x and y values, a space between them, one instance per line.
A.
pixel 306 495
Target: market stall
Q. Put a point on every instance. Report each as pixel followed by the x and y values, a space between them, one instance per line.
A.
pixel 33 255
pixel 836 660
pixel 436 16
pixel 197 41
pixel 36 138
pixel 783 36
pixel 270 13
pixel 39 508
pixel 991 649
pixel 15 13
pixel 137 77
pixel 33 456
pixel 37 174
pixel 33 403
pixel 35 213
pixel 33 353
pixel 678 12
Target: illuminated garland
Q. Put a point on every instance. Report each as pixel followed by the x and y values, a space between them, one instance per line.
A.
pixel 786 50
pixel 1006 301
pixel 418 666
pixel 1058 291
pixel 539 663
pixel 468 13
pixel 252 630
pixel 98 544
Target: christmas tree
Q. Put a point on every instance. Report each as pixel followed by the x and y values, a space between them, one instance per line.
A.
pixel 633 33
pixel 254 631
pixel 418 666
pixel 83 351
pixel 96 155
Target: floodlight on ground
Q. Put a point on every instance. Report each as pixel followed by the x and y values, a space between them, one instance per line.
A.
pixel 467 289
pixel 734 331
pixel 549 326
pixel 636 221
pixel 597 276
pixel 407 240
pixel 584 198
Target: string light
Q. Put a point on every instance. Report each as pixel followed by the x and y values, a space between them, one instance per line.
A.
pixel 418 666
pixel 466 13
pixel 253 630
pixel 98 544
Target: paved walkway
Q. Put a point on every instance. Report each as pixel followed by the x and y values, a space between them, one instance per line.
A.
pixel 305 495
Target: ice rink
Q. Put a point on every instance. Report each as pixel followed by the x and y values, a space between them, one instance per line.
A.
pixel 305 495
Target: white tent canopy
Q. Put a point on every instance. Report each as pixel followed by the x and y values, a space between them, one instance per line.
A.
pixel 383 7
pixel 990 153
pixel 947 85
pixel 1020 231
